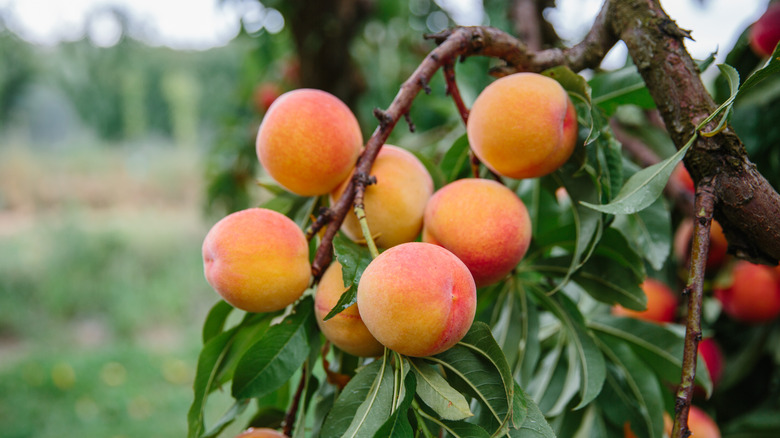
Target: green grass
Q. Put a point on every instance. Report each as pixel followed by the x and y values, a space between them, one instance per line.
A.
pixel 102 293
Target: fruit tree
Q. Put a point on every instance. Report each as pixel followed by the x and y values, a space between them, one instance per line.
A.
pixel 539 256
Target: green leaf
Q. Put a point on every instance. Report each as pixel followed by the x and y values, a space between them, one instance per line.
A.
pixel 235 410
pixel 641 384
pixel 273 360
pixel 437 175
pixel 398 425
pixel 534 425
pixel 643 188
pixel 457 429
pixel 456 162
pixel 362 387
pixel 620 87
pixel 215 320
pixel 477 367
pixel 216 361
pixel 588 354
pixel 771 68
pixel 377 407
pixel 659 346
pixel 353 259
pixel 650 231
pixel 434 391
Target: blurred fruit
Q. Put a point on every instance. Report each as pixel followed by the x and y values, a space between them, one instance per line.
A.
pixel 661 303
pixel 264 95
pixel 713 358
pixel 765 32
pixel 753 295
pixel 261 432
pixel 718 244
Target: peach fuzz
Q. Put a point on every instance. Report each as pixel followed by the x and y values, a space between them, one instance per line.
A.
pixel 753 296
pixel 257 260
pixel 261 432
pixel 417 299
pixel 395 204
pixel 345 330
pixel 661 303
pixel 523 126
pixel 308 141
pixel 483 223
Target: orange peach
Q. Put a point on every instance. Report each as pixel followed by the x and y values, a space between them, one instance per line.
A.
pixel 702 425
pixel 257 260
pixel 483 223
pixel 262 432
pixel 395 204
pixel 718 244
pixel 683 178
pixel 523 126
pixel 345 330
pixel 661 303
pixel 417 299
pixel 309 141
pixel 753 296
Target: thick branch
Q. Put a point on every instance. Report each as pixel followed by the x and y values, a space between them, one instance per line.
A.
pixel 747 206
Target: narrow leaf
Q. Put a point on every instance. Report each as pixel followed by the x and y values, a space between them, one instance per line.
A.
pixel 434 391
pixel 455 164
pixel 272 361
pixel 457 429
pixel 350 399
pixel 215 320
pixel 650 231
pixel 398 425
pixel 353 259
pixel 375 410
pixel 534 425
pixel 771 68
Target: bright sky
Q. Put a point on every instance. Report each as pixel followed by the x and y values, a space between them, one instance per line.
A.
pixel 202 24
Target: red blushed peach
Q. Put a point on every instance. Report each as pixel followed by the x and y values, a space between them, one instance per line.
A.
pixel 395 204
pixel 257 260
pixel 765 32
pixel 309 141
pixel 661 303
pixel 713 358
pixel 345 330
pixel 702 425
pixel 483 223
pixel 753 295
pixel 417 299
pixel 718 244
pixel 523 126
pixel 681 175
pixel 261 432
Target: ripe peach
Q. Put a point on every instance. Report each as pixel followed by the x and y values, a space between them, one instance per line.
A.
pixel 395 204
pixel 262 432
pixel 753 295
pixel 702 425
pixel 718 244
pixel 345 330
pixel 661 303
pixel 309 141
pixel 483 223
pixel 417 299
pixel 765 32
pixel 523 126
pixel 683 177
pixel 257 260
pixel 713 358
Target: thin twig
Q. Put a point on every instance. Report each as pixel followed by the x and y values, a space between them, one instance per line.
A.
pixel 704 208
pixel 289 419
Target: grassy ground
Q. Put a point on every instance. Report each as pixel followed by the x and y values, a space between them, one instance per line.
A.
pixel 101 289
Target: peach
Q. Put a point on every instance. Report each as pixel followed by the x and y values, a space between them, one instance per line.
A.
pixel 395 204
pixel 661 303
pixel 257 260
pixel 753 296
pixel 765 32
pixel 702 425
pixel 713 358
pixel 345 330
pixel 718 244
pixel 309 141
pixel 417 299
pixel 483 223
pixel 523 126
pixel 683 178
pixel 262 432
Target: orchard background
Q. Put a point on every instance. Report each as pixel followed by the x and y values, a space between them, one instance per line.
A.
pixel 115 161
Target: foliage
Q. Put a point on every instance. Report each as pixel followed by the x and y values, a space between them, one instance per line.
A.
pixel 545 357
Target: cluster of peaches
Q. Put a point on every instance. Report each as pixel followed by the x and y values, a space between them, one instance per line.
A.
pixel 418 297
pixel 748 293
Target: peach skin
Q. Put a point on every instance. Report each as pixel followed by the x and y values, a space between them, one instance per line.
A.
pixel 309 141
pixel 257 260
pixel 417 299
pixel 753 295
pixel 483 223
pixel 523 126
pixel 395 204
pixel 345 330
pixel 661 303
